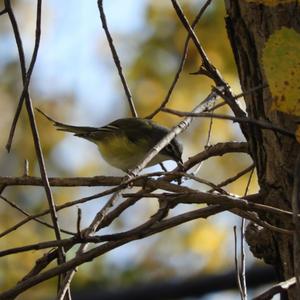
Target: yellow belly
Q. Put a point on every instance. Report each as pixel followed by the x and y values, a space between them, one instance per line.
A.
pixel 122 153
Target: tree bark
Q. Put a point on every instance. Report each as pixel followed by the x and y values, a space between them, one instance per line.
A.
pixel 249 25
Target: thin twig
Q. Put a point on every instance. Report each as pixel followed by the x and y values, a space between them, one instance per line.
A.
pixel 65 287
pixel 243 256
pixel 209 129
pixel 116 59
pixel 182 62
pixel 90 230
pixel 236 263
pixel 26 76
pixel 251 90
pixel 235 177
pixel 239 207
pixel 33 218
pixel 3 11
pixel 17 35
pixel 26 168
pixel 296 208
pixel 261 124
pixel 78 223
pixel 203 181
pixel 193 196
pixel 276 289
pixel 58 208
pixel 2 188
pixel 257 220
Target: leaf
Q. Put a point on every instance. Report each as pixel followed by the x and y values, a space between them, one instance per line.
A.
pixel 281 62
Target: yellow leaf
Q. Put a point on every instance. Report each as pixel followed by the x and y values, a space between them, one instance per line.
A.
pixel 281 62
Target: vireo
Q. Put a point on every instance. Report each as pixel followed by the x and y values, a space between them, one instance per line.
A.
pixel 124 143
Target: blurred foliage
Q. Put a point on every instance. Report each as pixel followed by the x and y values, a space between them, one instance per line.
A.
pixel 150 75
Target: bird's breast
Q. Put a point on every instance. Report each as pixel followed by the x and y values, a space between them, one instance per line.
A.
pixel 122 153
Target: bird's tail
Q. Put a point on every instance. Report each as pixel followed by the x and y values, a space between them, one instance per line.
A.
pixel 77 130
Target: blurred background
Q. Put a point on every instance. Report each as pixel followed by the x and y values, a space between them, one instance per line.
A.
pixel 75 81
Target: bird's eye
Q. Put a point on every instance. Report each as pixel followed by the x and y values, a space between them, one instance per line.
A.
pixel 169 149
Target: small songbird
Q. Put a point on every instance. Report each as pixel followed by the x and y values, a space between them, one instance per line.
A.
pixel 124 143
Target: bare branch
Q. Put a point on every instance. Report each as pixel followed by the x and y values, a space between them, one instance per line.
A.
pixel 33 218
pixel 78 223
pixel 236 262
pixel 116 58
pixel 242 241
pixel 235 177
pixel 296 210
pixel 35 133
pixel 250 91
pixel 193 196
pixel 210 69
pixel 98 219
pixel 25 95
pixel 26 76
pixel 276 289
pixel 261 124
pixel 3 11
pixel 95 252
pixel 182 61
pixel 214 150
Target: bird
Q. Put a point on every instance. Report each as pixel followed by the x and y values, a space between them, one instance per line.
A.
pixel 125 142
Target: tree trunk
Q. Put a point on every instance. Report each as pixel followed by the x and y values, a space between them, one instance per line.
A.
pixel 249 26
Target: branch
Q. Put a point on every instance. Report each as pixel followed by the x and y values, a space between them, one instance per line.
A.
pixel 33 218
pixel 261 124
pixel 116 58
pixel 79 238
pixel 235 177
pixel 214 150
pixel 95 252
pixel 25 94
pixel 296 210
pixel 218 149
pixel 96 223
pixel 98 219
pixel 183 125
pixel 150 185
pixel 59 207
pixel 62 181
pixel 277 288
pixel 3 11
pixel 26 76
pixel 182 62
pixel 212 72
pixel 193 196
pixel 236 263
